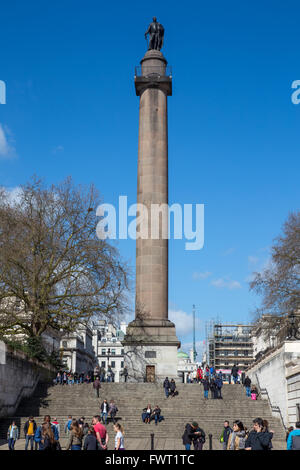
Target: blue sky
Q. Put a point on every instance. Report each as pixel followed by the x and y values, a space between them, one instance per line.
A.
pixel 71 109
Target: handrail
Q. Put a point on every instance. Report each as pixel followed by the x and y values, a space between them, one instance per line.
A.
pixel 275 409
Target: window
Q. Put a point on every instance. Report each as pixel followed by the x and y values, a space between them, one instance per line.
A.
pixel 103 352
pixel 122 352
pixel 113 352
pixel 122 364
pixel 150 354
pixel 65 344
pixel 103 364
pixel 112 364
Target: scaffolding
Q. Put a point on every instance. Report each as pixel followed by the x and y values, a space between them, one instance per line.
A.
pixel 228 344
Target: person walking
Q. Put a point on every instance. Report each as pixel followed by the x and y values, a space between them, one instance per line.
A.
pixel 206 387
pixel 76 437
pixel 68 426
pixel 213 388
pixel 166 386
pixel 101 433
pixel 38 433
pixel 247 385
pixel 29 431
pixel 112 410
pixel 57 425
pixel 96 387
pixel 125 374
pixel 259 438
pixel 172 388
pixel 219 385
pixel 190 434
pixel 104 411
pixel 48 440
pixel 225 435
pixel 12 435
pixel 235 373
pixel 90 441
pixel 119 438
pixel 237 437
pixel 293 440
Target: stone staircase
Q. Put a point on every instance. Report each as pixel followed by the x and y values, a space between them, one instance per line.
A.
pixel 78 400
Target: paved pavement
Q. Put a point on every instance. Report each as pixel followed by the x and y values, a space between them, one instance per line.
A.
pixel 131 444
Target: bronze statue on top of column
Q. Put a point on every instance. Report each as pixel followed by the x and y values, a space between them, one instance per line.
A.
pixel 156 35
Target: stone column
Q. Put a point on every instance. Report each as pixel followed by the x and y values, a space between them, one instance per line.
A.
pixel 152 334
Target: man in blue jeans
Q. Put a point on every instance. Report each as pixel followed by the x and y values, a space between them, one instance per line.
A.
pixel 247 385
pixel 206 387
pixel 235 373
pixel 190 433
pixel 29 432
pixel 166 386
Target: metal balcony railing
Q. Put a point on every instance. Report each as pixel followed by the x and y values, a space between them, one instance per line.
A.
pixel 153 71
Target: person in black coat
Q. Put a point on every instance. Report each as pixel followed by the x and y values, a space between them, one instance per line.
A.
pixel 190 434
pixel 260 438
pixel 247 385
pixel 225 435
pixel 90 442
pixel 235 373
pixel 206 387
pixel 166 386
pixel 172 388
pixel 213 389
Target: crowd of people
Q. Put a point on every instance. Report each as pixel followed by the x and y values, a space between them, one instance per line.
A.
pixel 80 434
pixel 71 378
pixel 94 436
pixel 213 380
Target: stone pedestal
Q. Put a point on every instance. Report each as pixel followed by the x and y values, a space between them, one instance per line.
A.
pixel 151 333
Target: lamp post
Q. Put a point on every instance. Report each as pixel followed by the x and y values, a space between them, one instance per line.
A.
pixel 108 354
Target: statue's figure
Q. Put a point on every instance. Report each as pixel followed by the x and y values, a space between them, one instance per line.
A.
pixel 156 35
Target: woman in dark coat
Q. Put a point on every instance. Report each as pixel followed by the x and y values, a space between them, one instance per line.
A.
pixel 190 434
pixel 172 388
pixel 260 438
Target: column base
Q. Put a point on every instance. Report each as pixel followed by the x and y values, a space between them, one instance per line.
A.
pixel 150 348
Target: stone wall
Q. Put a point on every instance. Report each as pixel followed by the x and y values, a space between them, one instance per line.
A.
pixel 271 372
pixel 293 386
pixel 19 376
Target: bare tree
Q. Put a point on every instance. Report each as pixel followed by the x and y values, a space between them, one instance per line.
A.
pixel 54 271
pixel 279 283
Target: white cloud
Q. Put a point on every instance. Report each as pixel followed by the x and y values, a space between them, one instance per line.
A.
pixel 183 322
pixel 203 275
pixel 57 149
pixel 226 283
pixel 7 149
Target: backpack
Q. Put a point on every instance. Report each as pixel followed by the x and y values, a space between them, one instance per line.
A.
pixel 296 442
pixel 69 425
